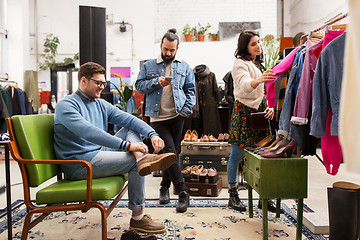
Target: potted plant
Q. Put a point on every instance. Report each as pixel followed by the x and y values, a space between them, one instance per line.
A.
pixel 188 32
pixel 51 44
pixel 201 32
pixel 214 36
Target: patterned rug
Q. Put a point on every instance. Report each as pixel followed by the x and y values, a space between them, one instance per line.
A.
pixel 206 218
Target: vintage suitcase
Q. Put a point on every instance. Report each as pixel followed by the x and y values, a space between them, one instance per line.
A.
pixel 219 162
pixel 205 148
pixel 204 189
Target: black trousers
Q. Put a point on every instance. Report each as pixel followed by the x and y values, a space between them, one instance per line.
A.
pixel 171 132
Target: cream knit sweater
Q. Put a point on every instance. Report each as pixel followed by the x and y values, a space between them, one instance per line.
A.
pixel 243 73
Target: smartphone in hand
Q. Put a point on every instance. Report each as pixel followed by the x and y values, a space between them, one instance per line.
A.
pixel 168 78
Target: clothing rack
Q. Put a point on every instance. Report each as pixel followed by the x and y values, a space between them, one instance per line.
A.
pixel 331 21
pixel 7 81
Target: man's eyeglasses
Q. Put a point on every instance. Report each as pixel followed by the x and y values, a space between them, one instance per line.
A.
pixel 99 83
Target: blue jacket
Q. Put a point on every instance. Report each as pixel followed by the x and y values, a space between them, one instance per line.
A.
pixel 183 86
pixel 327 87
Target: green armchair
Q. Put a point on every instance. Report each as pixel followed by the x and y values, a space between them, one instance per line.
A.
pixel 31 146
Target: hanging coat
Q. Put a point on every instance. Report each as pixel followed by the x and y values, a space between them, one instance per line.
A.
pixel 209 96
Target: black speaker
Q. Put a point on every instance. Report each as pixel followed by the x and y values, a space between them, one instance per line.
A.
pixel 92 35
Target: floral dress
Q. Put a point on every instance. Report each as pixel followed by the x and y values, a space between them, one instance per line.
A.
pixel 240 132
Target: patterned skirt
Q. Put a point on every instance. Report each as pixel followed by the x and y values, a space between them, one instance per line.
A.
pixel 240 132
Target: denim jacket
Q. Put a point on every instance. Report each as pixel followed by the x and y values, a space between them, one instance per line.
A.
pixel 183 86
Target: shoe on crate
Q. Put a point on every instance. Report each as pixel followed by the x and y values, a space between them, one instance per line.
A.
pixel 204 138
pixel 149 163
pixel 146 225
pixel 164 195
pixel 221 137
pixel 226 137
pixel 194 136
pixel 187 136
pixel 212 138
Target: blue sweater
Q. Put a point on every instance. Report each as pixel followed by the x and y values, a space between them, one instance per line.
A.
pixel 80 129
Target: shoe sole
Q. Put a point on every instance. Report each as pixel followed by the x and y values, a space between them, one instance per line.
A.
pixel 148 231
pixel 159 165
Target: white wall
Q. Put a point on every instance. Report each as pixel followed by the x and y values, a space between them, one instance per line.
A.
pixel 150 20
pixel 31 20
pixel 307 15
pixel 18 40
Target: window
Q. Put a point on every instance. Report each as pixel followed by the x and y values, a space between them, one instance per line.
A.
pixel 3 41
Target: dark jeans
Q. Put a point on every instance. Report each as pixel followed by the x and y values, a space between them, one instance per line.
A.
pixel 171 132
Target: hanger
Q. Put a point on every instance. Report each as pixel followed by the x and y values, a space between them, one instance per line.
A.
pixel 339 27
pixel 318 35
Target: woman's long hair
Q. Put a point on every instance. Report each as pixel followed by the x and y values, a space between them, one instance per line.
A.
pixel 242 46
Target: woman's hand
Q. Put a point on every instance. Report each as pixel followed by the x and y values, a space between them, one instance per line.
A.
pixel 269 113
pixel 268 75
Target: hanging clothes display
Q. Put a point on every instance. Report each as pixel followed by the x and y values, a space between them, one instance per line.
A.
pixel 326 98
pixel 286 113
pixel 208 98
pixel 350 91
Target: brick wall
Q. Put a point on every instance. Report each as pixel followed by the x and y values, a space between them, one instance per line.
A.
pixel 177 13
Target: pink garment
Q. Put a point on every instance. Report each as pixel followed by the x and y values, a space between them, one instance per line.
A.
pixel 330 145
pixel 329 36
pixel 304 93
pixel 283 66
pixel 330 148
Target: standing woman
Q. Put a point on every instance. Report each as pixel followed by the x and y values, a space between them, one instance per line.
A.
pixel 249 77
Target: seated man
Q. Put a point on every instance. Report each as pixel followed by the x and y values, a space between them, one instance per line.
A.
pixel 80 132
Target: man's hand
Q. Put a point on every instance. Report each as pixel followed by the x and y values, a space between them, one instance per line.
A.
pixel 139 147
pixel 183 115
pixel 164 82
pixel 157 143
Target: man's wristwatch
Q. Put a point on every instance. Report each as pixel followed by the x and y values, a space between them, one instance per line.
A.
pixel 128 148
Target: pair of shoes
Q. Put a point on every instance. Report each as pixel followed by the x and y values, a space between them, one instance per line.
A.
pixel 208 172
pixel 208 138
pixel 146 225
pixel 223 137
pixel 234 200
pixel 191 136
pixel 164 195
pixel 271 206
pixel 269 146
pixel 183 203
pixel 157 174
pixel 149 163
pixel 285 147
pixel 133 235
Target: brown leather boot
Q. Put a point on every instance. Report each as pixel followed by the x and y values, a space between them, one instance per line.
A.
pixel 155 162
